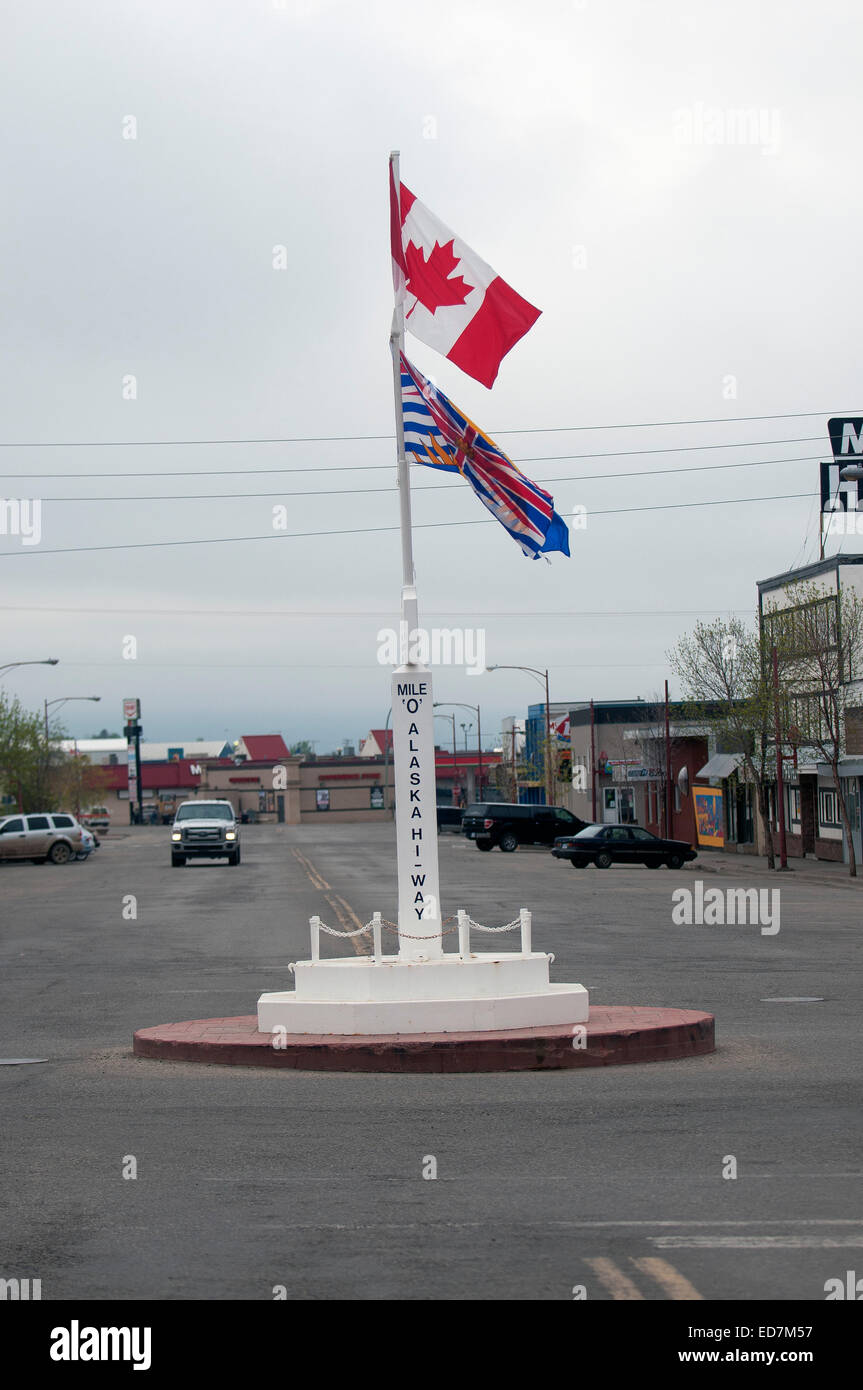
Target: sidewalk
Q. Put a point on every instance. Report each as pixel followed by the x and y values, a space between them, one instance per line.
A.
pixel 804 870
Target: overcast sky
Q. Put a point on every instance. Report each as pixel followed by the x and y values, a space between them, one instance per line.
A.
pixel 689 266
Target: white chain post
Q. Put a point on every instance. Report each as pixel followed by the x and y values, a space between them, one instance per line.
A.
pixel 463 935
pixel 525 931
pixel 376 935
pixel 315 924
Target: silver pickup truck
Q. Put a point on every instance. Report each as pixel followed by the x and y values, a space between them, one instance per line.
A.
pixel 205 830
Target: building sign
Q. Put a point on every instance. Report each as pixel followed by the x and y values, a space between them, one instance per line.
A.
pixel 846 437
pixel 322 798
pixel 133 779
pixel 709 816
pixel 837 495
pixel 350 776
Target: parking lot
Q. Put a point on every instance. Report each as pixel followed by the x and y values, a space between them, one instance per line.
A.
pixel 610 1179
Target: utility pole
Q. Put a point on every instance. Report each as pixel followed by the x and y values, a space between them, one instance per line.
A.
pixel 668 801
pixel 780 781
pixel 592 762
pixel 549 775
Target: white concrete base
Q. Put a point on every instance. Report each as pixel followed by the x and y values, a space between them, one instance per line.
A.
pixel 481 993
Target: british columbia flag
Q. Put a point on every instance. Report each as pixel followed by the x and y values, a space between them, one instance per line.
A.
pixel 437 435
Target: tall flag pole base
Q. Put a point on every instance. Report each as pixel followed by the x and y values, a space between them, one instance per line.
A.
pixel 455 993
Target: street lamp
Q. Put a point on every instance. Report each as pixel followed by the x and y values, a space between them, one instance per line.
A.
pixel 542 677
pixel 454 754
pixel 464 728
pixel 462 705
pixel 50 661
pixel 64 700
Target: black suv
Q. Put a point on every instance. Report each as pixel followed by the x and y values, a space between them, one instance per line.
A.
pixel 508 825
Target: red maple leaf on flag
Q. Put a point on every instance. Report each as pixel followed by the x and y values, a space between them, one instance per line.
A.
pixel 428 280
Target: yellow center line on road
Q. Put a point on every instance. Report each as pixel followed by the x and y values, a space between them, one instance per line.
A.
pixel 348 919
pixel 348 922
pixel 669 1278
pixel 618 1284
pixel 317 879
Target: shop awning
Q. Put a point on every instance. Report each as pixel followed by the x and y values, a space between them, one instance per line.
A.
pixel 721 765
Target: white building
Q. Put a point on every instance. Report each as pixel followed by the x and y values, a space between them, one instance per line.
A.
pixel 812 818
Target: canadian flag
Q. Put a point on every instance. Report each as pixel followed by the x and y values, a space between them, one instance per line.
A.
pixel 452 299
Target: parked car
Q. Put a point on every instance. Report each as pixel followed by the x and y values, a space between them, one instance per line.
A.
pixel 55 837
pixel 90 842
pixel 97 819
pixel 449 818
pixel 604 845
pixel 205 830
pixel 508 825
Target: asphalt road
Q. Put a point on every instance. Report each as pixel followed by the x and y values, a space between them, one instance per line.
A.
pixel 247 1179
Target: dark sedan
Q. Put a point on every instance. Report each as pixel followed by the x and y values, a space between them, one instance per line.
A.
pixel 604 845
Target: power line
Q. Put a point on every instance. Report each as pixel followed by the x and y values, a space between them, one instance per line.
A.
pixel 318 613
pixel 376 530
pixel 436 487
pixel 377 438
pixel 328 666
pixel 378 467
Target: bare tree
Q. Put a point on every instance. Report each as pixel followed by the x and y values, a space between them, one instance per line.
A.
pixel 652 743
pixel 722 664
pixel 818 635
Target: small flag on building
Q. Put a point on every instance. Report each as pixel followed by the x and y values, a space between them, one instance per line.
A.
pixel 452 299
pixel 437 435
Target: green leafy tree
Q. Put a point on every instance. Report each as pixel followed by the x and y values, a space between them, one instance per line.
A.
pixel 26 756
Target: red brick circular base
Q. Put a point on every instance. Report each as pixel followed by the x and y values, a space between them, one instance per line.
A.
pixel 622 1033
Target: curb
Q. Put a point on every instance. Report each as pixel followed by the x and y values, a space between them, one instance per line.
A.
pixel 613 1036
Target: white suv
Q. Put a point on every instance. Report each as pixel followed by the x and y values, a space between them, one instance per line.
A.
pixel 205 830
pixel 53 836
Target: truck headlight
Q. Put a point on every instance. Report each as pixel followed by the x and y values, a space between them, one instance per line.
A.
pixel 230 834
pixel 176 835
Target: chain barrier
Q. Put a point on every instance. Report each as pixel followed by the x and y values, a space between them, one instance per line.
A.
pixel 426 936
pixel 331 931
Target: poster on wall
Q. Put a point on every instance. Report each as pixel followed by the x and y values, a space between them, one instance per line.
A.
pixel 322 798
pixel 709 816
pixel 376 798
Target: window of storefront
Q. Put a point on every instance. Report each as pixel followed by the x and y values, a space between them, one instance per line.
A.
pixel 828 808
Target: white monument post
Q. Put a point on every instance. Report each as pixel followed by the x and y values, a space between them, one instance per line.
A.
pixel 422 989
pixel 413 722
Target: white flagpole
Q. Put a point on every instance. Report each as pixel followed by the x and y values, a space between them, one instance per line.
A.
pixel 419 915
